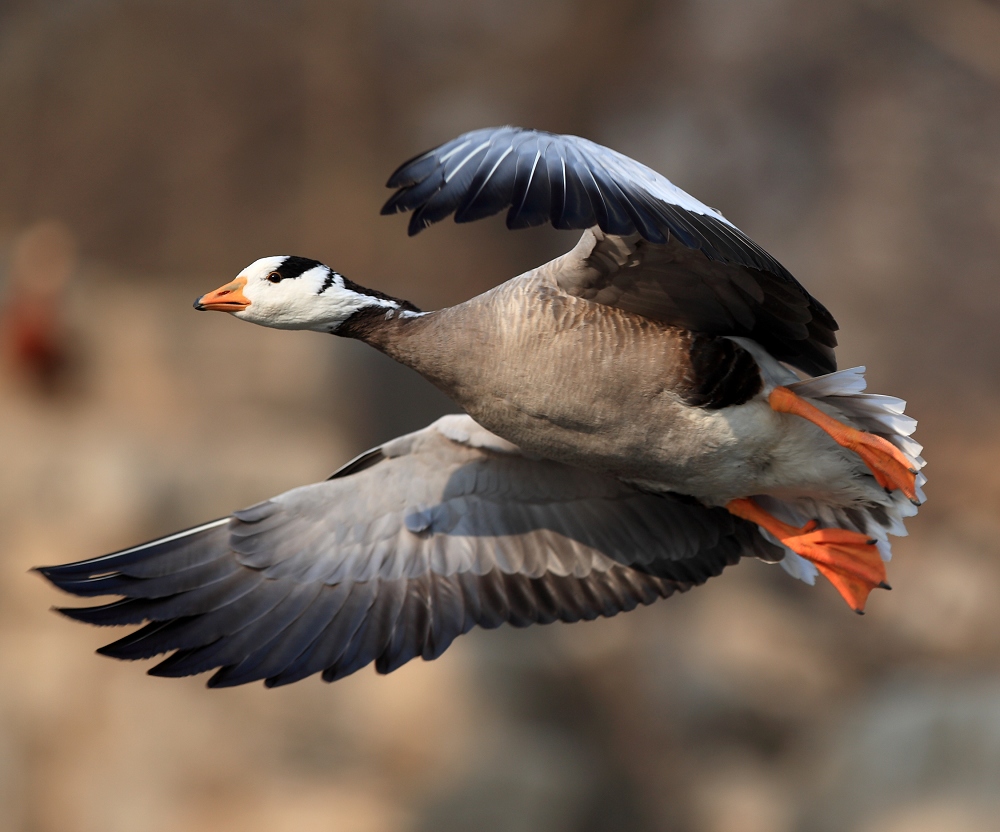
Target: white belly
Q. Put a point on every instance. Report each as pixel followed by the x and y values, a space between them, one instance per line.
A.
pixel 751 449
pixel 714 455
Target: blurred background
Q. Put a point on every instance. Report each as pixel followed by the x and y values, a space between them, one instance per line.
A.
pixel 151 150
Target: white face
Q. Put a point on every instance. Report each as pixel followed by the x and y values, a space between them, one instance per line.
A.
pixel 291 293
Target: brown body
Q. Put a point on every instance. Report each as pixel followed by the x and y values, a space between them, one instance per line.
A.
pixel 611 391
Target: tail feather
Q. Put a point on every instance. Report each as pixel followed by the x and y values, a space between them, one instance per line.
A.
pixel 882 415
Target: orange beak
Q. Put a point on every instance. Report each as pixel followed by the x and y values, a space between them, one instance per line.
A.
pixel 228 298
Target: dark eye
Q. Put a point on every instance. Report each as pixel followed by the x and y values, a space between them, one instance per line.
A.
pixel 274 277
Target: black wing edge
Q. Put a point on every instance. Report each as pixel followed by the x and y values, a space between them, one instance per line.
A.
pixel 364 460
pixel 546 177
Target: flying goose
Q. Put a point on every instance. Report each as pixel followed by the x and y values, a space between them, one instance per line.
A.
pixel 641 412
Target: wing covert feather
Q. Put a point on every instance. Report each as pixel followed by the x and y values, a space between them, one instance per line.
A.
pixel 677 286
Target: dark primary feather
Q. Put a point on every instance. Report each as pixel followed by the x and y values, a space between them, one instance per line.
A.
pixel 574 183
pixel 406 548
pixel 589 185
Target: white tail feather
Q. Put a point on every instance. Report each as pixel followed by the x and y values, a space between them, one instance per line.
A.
pixel 881 415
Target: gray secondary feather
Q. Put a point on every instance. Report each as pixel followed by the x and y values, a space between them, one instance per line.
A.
pixel 449 528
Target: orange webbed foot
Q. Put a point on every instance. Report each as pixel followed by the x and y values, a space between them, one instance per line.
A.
pixel 849 560
pixel 890 466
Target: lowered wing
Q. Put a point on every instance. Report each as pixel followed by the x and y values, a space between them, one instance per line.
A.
pixel 401 551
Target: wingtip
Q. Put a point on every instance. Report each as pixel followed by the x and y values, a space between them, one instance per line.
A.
pixel 47 572
pixel 57 575
pixel 61 577
pixel 72 613
pixel 119 613
pixel 216 680
pixel 169 669
pixel 225 678
pixel 117 650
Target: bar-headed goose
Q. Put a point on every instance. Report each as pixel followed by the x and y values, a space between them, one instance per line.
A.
pixel 635 425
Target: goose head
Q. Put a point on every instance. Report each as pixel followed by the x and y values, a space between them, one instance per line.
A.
pixel 295 293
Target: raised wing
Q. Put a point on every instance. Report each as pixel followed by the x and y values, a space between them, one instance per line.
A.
pixel 406 548
pixel 678 286
pixel 715 278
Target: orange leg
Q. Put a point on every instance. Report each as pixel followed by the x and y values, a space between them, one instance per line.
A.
pixel 889 464
pixel 849 560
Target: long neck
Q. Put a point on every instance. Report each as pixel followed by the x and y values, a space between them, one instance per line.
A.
pixel 416 340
